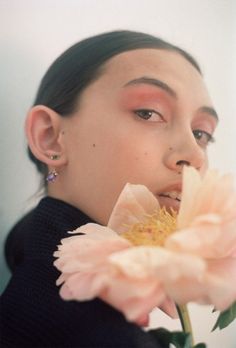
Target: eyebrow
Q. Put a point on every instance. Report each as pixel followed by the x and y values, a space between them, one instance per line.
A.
pixel 158 83
pixel 153 82
pixel 209 110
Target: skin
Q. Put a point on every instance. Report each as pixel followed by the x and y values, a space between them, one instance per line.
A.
pixel 107 142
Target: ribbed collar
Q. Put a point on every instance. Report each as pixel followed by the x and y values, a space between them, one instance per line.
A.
pixel 61 214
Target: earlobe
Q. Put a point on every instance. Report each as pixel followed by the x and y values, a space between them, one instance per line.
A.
pixel 44 132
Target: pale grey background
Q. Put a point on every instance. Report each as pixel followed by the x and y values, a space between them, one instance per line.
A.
pixel 33 33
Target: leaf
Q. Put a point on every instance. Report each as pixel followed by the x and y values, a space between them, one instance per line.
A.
pixel 162 336
pixel 226 317
pixel 177 338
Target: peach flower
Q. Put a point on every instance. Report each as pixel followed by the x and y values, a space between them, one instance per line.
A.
pixel 207 228
pixel 146 256
pixel 87 271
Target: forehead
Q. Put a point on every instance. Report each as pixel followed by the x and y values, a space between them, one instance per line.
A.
pixel 156 60
pixel 167 66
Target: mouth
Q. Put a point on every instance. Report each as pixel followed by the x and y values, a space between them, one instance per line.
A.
pixel 170 200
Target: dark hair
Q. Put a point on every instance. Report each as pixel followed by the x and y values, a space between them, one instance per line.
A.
pixel 82 63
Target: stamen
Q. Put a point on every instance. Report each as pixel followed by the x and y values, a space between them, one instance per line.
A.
pixel 154 230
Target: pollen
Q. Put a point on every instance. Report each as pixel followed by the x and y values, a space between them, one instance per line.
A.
pixel 154 230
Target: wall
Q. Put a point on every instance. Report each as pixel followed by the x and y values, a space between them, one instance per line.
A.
pixel 33 33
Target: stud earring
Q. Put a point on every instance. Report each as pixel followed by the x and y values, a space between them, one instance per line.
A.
pixel 54 157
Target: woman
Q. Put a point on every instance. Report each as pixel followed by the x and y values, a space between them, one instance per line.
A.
pixel 115 108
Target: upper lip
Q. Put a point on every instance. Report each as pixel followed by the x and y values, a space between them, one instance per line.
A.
pixel 171 188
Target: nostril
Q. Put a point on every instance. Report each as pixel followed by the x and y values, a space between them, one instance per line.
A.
pixel 183 163
pixel 180 164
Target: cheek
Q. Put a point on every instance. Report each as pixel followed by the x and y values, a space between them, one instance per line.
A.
pixel 137 161
pixel 113 153
pixel 102 162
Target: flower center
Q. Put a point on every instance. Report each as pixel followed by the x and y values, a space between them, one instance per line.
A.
pixel 154 230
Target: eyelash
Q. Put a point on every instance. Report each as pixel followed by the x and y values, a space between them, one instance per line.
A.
pixel 209 137
pixel 141 113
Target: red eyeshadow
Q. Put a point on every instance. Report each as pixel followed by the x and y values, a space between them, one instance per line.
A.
pixel 133 96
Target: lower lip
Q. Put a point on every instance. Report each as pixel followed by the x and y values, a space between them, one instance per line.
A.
pixel 169 203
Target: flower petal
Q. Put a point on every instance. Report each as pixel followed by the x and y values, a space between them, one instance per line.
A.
pixel 214 287
pixel 89 250
pixel 214 194
pixel 140 262
pixel 134 297
pixel 134 202
pixel 84 286
pixel 169 307
pixel 207 237
pixel 223 273
pixel 191 185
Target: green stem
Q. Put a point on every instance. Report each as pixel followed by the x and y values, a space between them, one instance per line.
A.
pixel 185 320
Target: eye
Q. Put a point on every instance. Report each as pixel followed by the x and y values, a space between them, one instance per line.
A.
pixel 203 138
pixel 147 114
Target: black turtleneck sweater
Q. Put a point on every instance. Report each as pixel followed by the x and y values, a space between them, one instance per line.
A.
pixel 32 314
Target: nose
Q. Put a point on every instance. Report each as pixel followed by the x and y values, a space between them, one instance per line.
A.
pixel 184 150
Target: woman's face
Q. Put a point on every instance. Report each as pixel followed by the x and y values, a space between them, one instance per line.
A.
pixel 146 115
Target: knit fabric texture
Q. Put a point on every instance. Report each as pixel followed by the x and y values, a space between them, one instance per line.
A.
pixel 32 314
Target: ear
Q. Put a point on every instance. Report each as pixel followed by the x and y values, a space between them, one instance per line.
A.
pixel 44 132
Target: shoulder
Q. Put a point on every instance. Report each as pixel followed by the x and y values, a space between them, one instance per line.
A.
pixel 14 245
pixel 31 306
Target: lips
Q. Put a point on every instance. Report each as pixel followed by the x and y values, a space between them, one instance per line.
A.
pixel 172 194
pixel 170 197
